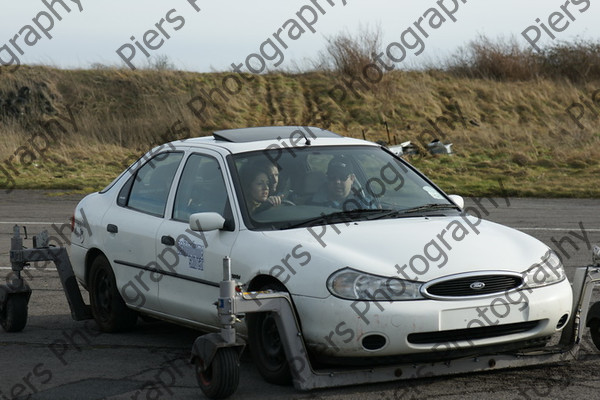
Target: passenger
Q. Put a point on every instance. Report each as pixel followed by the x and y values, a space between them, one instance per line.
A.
pixel 276 194
pixel 341 192
pixel 275 197
pixel 255 182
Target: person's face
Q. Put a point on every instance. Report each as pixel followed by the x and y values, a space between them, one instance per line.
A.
pixel 273 178
pixel 259 188
pixel 340 185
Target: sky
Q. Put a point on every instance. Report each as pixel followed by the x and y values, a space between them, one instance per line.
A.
pixel 203 35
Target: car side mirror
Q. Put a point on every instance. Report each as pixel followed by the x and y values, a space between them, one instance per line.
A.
pixel 458 200
pixel 206 221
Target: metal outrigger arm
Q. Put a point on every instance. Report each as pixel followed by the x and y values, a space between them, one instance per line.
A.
pixel 15 295
pixel 206 349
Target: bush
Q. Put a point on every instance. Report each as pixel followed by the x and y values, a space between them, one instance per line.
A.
pixel 500 60
pixel 577 61
pixel 507 60
pixel 348 54
pixel 160 62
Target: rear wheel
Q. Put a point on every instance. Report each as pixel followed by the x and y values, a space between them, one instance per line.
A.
pixel 266 345
pixel 13 317
pixel 109 309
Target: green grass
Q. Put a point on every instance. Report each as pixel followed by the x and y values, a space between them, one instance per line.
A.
pixel 472 176
pixel 455 174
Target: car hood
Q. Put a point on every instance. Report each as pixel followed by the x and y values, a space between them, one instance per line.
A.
pixel 420 248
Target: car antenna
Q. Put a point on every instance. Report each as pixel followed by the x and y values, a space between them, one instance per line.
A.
pixel 307 143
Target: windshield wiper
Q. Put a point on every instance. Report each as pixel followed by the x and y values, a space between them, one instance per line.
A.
pixel 340 216
pixel 417 209
pixel 433 206
pixel 428 207
pixel 368 214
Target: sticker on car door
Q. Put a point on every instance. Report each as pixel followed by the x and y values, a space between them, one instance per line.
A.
pixel 193 251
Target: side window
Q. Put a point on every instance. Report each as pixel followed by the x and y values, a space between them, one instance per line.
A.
pixel 201 189
pixel 149 187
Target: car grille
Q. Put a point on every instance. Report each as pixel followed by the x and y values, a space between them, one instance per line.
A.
pixel 476 285
pixel 471 333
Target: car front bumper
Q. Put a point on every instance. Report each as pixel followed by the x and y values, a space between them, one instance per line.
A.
pixel 335 327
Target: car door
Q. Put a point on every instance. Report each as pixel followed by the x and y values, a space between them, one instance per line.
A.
pixel 193 260
pixel 132 226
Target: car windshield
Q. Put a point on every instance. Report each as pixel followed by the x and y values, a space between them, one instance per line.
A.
pixel 294 187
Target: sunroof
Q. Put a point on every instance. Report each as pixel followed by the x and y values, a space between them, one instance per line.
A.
pixel 272 133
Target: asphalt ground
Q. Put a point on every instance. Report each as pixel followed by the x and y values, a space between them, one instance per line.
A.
pixel 58 358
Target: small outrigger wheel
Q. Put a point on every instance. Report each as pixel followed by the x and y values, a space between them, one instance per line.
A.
pixel 13 317
pixel 221 378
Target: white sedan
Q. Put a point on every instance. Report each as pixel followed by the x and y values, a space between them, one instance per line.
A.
pixel 381 265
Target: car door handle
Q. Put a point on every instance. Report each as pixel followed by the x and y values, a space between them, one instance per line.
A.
pixel 167 240
pixel 112 228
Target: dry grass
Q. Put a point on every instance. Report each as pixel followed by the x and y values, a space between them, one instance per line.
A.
pixel 517 130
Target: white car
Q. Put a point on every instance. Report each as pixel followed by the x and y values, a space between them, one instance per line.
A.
pixel 381 265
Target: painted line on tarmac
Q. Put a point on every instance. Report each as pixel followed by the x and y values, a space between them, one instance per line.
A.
pixel 26 269
pixel 558 229
pixel 28 223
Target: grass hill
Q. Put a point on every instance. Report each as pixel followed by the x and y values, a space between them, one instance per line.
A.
pixel 77 129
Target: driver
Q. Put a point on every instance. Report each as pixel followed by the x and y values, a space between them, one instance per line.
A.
pixel 341 191
pixel 255 182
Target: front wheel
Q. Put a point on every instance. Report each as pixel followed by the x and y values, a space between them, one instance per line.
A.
pixel 13 317
pixel 222 376
pixel 109 309
pixel 595 331
pixel 266 346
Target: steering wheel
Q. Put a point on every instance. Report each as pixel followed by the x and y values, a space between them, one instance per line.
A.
pixel 267 205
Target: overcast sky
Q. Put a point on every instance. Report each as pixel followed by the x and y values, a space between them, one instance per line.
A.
pixel 223 32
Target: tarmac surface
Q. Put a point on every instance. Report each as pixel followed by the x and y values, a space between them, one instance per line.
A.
pixel 58 358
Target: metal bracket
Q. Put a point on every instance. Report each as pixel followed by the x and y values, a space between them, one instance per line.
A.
pixel 41 240
pixel 20 257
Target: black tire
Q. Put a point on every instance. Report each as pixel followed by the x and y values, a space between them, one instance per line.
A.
pixel 14 316
pixel 266 346
pixel 222 376
pixel 595 331
pixel 108 308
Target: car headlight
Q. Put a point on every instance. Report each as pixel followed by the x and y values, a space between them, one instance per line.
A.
pixel 351 284
pixel 549 271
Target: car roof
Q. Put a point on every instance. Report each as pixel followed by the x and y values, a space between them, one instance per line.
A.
pixel 271 133
pixel 271 137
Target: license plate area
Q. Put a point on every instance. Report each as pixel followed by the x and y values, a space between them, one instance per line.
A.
pixel 491 314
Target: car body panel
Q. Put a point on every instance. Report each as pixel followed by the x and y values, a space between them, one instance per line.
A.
pixel 462 247
pixel 130 250
pixel 196 270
